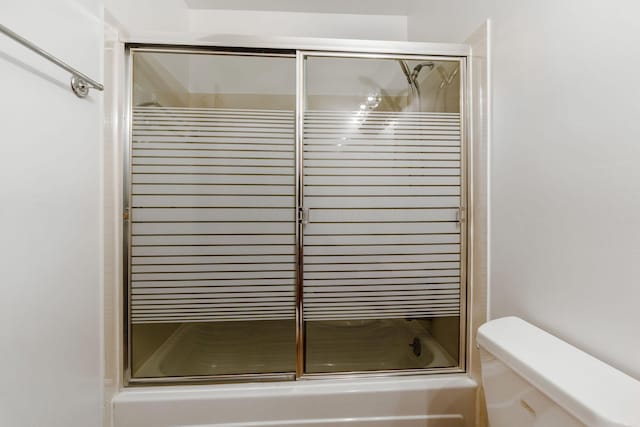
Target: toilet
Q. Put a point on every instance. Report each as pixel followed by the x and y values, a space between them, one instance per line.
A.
pixel 533 379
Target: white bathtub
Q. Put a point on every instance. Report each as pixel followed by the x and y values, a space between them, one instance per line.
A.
pixel 377 345
pixel 425 401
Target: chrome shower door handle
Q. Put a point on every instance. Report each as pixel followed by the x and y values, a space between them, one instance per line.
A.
pixel 460 219
pixel 304 215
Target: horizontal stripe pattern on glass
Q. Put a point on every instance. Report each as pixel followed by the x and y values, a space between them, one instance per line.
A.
pixel 213 232
pixel 383 191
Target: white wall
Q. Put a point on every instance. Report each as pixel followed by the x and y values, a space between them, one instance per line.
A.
pixel 299 24
pixel 50 218
pixel 565 181
pixel 141 16
pixel 144 17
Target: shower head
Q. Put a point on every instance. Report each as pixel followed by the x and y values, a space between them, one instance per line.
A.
pixel 418 68
pixel 412 75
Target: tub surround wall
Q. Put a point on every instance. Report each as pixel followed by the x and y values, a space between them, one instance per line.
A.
pixel 114 98
pixel 153 84
pixel 478 217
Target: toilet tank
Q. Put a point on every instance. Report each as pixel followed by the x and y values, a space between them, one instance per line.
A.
pixel 531 378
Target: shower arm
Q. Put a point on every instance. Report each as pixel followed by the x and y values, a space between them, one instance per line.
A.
pixel 405 70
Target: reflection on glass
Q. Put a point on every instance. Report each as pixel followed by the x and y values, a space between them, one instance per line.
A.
pixel 212 194
pixel 382 182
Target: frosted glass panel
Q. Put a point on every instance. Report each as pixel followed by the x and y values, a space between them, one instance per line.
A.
pixel 382 183
pixel 228 226
pixel 227 274
pixel 212 268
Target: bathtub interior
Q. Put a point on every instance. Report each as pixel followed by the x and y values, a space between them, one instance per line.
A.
pixel 372 345
pixel 219 348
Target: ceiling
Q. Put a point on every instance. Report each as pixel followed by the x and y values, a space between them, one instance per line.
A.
pixel 359 7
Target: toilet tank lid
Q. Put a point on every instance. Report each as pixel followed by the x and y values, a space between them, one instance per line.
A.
pixel 594 392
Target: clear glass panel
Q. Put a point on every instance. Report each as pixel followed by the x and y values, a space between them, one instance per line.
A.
pixel 213 207
pixel 382 182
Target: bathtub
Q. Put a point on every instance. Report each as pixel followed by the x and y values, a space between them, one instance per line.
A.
pixel 333 347
pixel 446 400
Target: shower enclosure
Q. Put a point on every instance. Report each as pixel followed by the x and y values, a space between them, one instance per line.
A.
pixel 293 214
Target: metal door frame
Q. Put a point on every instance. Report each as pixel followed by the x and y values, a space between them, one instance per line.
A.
pixel 280 48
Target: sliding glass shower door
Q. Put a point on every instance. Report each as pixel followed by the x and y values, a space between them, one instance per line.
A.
pixel 382 196
pixel 212 267
pixel 293 215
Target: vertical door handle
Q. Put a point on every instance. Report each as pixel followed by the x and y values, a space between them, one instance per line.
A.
pixel 304 215
pixel 460 217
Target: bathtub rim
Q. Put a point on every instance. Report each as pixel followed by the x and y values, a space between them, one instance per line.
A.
pixel 317 386
pixel 434 396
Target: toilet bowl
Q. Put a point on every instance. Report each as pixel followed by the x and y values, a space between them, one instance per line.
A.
pixel 533 379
